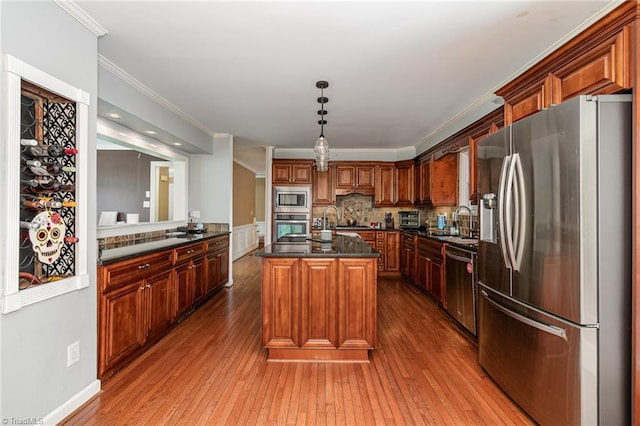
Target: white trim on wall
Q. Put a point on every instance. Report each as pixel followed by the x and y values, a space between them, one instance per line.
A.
pixel 245 240
pixel 72 404
pixel 12 298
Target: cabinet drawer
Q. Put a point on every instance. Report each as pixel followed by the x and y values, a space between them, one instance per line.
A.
pixel 430 247
pixel 407 240
pixel 184 254
pixel 367 235
pixel 217 244
pixel 128 271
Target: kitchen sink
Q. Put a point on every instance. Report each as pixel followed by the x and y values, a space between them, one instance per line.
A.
pixel 459 240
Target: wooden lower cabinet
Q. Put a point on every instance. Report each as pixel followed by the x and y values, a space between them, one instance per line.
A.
pixel 430 268
pixel 319 309
pixel 140 299
pixel 407 256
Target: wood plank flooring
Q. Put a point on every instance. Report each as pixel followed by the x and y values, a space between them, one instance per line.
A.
pixel 212 369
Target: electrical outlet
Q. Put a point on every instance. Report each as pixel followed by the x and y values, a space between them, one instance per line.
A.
pixel 146 204
pixel 73 353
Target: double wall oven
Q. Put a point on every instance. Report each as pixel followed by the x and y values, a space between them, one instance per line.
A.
pixel 291 210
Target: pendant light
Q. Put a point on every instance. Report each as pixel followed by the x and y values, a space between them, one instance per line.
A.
pixel 321 148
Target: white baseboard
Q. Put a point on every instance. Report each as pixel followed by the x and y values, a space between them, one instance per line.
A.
pixel 63 411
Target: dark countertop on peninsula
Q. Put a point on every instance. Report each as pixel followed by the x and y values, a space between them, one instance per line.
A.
pixel 152 245
pixel 339 246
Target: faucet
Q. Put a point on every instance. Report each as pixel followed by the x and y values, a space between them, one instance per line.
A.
pixel 324 215
pixel 455 215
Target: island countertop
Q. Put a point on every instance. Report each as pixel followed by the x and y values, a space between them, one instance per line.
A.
pixel 301 246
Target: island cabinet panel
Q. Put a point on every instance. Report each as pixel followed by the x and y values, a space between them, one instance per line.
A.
pixel 318 301
pixel 323 187
pixel 280 303
pixel 357 304
pixel 385 185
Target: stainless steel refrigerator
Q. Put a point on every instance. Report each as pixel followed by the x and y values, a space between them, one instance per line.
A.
pixel 554 261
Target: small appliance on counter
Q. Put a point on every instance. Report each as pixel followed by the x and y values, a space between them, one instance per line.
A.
pixel 409 219
pixel 388 220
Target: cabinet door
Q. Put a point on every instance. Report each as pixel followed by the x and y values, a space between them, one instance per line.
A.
pixel 183 288
pixel 122 324
pixel 444 181
pixel 392 252
pixel 422 270
pixel 407 263
pixel 365 177
pixel 212 272
pixel 281 173
pixel 322 186
pixel 528 101
pixel 223 265
pixel 404 184
pixel 318 303
pixel 385 185
pixel 301 173
pixel 436 280
pixel 423 182
pixel 602 69
pixel 345 177
pixel 159 302
pixel 357 280
pixel 199 280
pixel 280 302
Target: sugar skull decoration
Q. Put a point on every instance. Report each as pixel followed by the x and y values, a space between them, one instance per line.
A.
pixel 47 238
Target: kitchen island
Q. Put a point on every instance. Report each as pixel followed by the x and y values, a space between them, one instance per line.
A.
pixel 319 299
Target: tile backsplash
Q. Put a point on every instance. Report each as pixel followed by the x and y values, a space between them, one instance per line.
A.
pixel 360 208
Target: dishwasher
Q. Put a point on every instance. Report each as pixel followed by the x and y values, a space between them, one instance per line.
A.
pixel 461 286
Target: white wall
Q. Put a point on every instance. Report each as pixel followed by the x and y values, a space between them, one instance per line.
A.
pixel 211 185
pixel 34 378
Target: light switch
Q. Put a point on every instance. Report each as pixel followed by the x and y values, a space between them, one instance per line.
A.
pixel 147 194
pixel 146 204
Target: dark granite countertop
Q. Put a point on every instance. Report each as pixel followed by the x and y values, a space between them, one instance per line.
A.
pixel 444 237
pixel 339 246
pixel 152 245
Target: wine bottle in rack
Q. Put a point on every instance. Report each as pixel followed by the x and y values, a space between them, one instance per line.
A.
pixel 39 203
pixel 45 169
pixel 28 142
pixel 49 151
pixel 28 162
pixel 46 184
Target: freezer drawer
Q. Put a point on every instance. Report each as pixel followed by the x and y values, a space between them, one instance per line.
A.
pixel 548 367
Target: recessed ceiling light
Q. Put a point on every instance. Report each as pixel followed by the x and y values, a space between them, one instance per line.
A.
pixel 177 143
pixel 114 115
pixel 151 132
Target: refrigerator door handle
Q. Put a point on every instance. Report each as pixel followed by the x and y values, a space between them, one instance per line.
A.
pixel 510 213
pixel 521 213
pixel 556 331
pixel 501 210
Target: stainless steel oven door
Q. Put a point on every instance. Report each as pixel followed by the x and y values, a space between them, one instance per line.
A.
pixel 284 224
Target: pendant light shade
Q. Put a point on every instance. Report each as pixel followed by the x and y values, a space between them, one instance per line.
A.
pixel 321 148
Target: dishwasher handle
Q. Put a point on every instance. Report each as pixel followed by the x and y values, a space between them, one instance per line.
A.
pixel 460 258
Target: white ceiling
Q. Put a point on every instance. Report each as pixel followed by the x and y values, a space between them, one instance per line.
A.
pixel 398 72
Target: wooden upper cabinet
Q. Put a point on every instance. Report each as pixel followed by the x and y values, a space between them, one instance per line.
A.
pixel 596 61
pixel 487 125
pixel 354 178
pixel 291 171
pixel 605 68
pixel 444 181
pixel 385 185
pixel 404 183
pixel 423 182
pixel 528 101
pixel 323 187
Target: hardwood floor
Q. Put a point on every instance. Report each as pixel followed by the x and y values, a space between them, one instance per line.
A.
pixel 212 370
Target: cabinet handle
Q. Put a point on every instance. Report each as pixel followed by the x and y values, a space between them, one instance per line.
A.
pixel 148 286
pixel 190 251
pixel 146 265
pixel 141 288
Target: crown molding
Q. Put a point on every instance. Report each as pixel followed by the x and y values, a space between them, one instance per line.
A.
pixel 81 16
pixel 131 81
pixel 350 154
